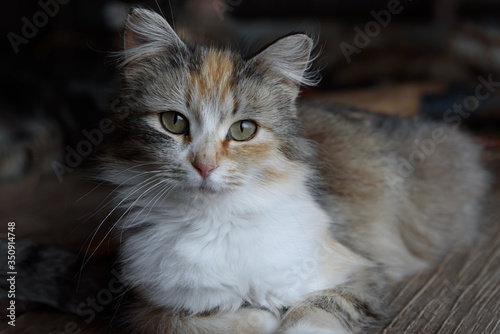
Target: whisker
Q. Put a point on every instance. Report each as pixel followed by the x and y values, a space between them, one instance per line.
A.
pixel 135 189
pixel 131 206
pixel 165 190
pixel 123 171
pixel 103 203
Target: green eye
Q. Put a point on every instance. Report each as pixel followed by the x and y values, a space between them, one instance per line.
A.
pixel 242 130
pixel 174 122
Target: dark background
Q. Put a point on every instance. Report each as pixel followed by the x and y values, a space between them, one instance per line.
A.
pixel 61 79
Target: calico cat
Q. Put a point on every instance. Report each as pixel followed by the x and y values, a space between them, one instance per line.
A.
pixel 245 213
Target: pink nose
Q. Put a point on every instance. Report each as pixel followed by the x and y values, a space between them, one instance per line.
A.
pixel 204 169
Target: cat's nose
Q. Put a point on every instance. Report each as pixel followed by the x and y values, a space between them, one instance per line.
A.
pixel 204 169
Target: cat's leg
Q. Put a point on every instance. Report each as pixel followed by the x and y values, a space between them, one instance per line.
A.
pixel 148 320
pixel 354 307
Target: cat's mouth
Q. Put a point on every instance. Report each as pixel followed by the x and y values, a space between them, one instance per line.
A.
pixel 205 188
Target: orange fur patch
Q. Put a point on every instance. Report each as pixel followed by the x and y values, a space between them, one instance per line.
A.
pixel 249 153
pixel 271 174
pixel 214 77
pixel 255 153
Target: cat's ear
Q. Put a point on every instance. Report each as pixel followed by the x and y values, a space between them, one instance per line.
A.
pixel 289 57
pixel 147 33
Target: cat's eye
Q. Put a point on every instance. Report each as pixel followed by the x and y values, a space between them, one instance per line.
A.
pixel 174 122
pixel 242 130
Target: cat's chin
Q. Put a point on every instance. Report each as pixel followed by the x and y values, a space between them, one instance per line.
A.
pixel 205 189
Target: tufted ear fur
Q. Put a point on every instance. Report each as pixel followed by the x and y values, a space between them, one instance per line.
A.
pixel 290 58
pixel 147 33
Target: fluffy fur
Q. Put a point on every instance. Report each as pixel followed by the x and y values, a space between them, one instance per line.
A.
pixel 407 189
pixel 294 230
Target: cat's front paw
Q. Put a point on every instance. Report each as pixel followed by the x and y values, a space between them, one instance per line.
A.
pixel 311 321
pixel 309 328
pixel 255 321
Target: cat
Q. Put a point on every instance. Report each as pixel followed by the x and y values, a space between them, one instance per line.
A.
pixel 243 212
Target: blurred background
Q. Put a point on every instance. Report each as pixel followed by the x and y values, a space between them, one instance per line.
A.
pixel 57 77
pixel 436 59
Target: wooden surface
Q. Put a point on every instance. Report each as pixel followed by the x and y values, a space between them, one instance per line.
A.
pixel 462 295
pixel 63 214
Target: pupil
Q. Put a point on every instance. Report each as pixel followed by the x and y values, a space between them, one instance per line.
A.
pixel 242 127
pixel 176 117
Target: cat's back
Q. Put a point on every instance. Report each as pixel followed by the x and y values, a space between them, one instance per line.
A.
pixel 420 182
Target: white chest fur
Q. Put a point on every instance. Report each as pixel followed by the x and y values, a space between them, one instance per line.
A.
pixel 270 254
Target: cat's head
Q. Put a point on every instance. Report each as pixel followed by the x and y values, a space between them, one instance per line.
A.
pixel 206 119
